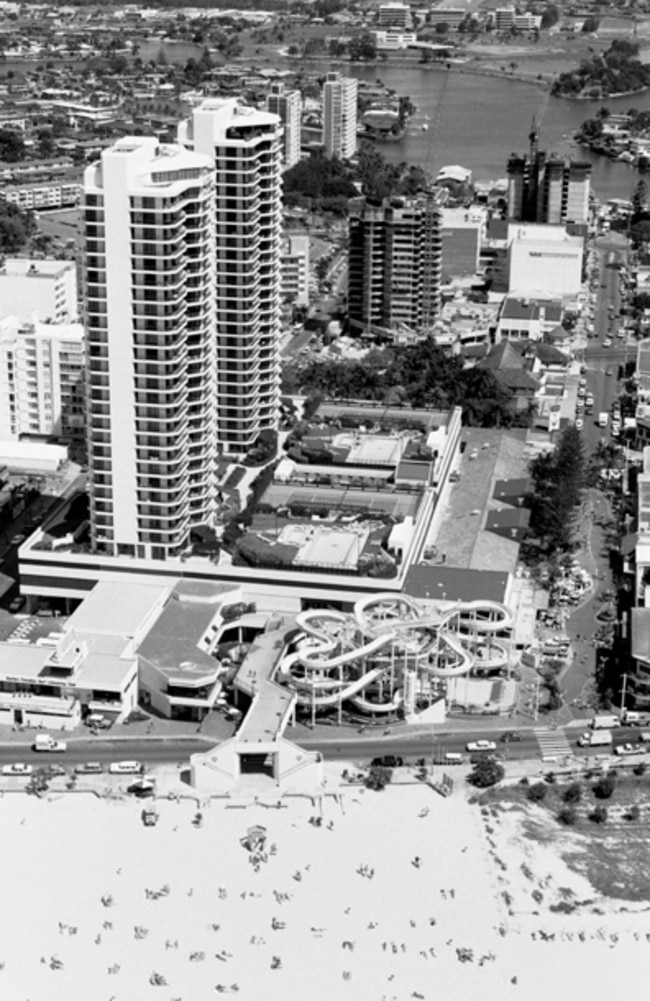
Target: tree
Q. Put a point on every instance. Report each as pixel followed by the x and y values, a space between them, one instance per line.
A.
pixel 550 16
pixel 590 25
pixel 567 815
pixel 362 48
pixel 12 146
pixel 599 815
pixel 486 772
pixel 572 793
pixel 442 28
pixel 378 778
pixel 604 788
pixel 537 792
pixel 639 200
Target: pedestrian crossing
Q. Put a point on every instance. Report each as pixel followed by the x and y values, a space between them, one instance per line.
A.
pixel 552 743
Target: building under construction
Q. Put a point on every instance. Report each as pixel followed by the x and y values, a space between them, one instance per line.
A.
pixel 395 264
pixel 547 189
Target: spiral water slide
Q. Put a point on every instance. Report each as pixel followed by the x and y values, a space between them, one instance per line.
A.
pixel 313 656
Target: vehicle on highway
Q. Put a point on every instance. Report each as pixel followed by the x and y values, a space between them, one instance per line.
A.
pixel 629 749
pixel 16 540
pixel 89 768
pixel 17 768
pixel 604 721
pixel 43 742
pixel 481 745
pixel 632 717
pixel 596 738
pixel 126 768
pixel 511 737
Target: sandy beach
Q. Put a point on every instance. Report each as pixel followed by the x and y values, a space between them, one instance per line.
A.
pixel 394 895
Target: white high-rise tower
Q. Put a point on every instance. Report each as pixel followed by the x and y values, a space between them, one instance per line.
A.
pixel 340 115
pixel 287 105
pixel 245 146
pixel 150 320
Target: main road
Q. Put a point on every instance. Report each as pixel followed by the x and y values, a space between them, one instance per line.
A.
pixel 153 751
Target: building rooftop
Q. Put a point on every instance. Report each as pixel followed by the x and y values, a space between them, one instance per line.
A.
pixel 118 609
pixel 29 268
pixel 172 644
pixel 457 584
pixel 463 538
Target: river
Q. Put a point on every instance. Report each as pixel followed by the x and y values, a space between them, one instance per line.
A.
pixel 477 121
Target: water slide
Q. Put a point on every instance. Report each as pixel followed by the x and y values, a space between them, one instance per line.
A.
pixel 382 620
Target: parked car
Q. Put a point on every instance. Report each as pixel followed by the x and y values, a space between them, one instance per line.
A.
pixel 16 540
pixel 17 604
pixel 17 768
pixel 126 768
pixel 481 745
pixel 89 768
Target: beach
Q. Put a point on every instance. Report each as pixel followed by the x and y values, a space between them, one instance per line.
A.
pixel 387 895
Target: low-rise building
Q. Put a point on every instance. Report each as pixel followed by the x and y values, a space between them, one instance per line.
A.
pixel 45 287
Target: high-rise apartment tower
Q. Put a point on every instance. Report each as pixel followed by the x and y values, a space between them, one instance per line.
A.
pixel 245 147
pixel 340 115
pixel 395 263
pixel 150 346
pixel 287 105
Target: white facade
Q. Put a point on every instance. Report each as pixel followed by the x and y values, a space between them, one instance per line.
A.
pixel 543 261
pixel 245 146
pixel 340 115
pixel 47 195
pixel 287 105
pixel 41 379
pixel 392 40
pixel 150 308
pixel 394 13
pixel 46 287
pixel 295 270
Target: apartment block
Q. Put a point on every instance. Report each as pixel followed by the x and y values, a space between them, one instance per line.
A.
pixel 340 116
pixel 151 369
pixel 395 264
pixel 287 105
pixel 42 378
pixel 295 270
pixel 46 287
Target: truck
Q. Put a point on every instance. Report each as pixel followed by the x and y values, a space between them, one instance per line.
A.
pixel 632 718
pixel 596 738
pixel 43 742
pixel 605 722
pixel 603 418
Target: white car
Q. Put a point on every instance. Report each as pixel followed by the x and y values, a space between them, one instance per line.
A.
pixel 481 745
pixel 17 768
pixel 126 768
pixel 629 749
pixel 580 424
pixel 607 343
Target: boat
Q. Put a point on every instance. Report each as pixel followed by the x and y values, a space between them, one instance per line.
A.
pixel 425 127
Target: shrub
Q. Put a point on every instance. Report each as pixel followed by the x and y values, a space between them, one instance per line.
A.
pixel 536 793
pixel 633 813
pixel 572 793
pixel 550 778
pixel 378 778
pixel 640 769
pixel 486 772
pixel 567 816
pixel 599 815
pixel 605 787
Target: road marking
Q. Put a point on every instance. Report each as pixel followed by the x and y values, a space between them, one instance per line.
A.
pixel 552 743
